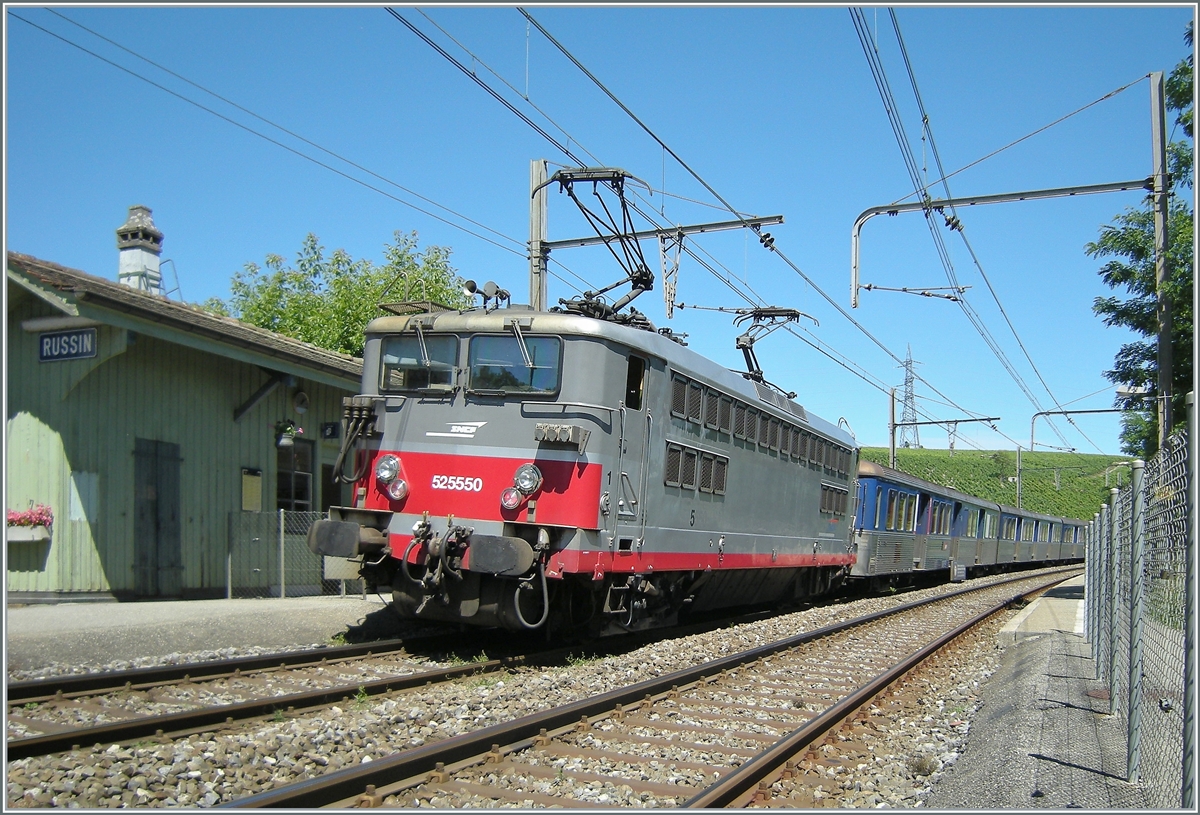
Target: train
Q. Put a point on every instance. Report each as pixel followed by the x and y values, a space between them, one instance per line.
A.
pixel 906 527
pixel 570 472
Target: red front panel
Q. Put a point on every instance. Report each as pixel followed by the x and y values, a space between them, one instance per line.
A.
pixel 469 487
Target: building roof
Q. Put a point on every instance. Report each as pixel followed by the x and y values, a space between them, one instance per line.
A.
pixel 79 294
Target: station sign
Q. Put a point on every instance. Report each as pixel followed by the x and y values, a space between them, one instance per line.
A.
pixel 57 346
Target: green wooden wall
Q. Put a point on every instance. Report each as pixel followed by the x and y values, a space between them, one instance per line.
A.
pixel 71 428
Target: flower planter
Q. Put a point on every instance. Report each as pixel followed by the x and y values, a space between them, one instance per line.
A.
pixel 31 534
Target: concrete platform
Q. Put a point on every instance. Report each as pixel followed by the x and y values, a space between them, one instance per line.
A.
pixel 95 634
pixel 1043 739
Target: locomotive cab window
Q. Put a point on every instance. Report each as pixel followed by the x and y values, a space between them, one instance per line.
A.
pixel 418 362
pixel 508 365
pixel 635 378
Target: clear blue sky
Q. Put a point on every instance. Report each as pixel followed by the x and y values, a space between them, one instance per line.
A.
pixel 774 107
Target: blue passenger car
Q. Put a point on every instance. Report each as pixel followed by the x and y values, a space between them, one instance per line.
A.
pixel 905 527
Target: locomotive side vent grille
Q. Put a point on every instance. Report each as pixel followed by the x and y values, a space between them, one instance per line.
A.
pixel 711 403
pixel 706 473
pixel 739 421
pixel 720 468
pixel 815 450
pixel 674 456
pixel 687 475
pixel 774 438
pixel 678 397
pixel 688 468
pixel 694 394
pixel 764 431
pixel 726 422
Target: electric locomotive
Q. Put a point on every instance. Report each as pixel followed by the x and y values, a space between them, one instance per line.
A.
pixel 570 471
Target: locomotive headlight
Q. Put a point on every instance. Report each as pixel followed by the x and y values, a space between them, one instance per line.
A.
pixel 527 479
pixel 398 489
pixel 387 468
pixel 511 498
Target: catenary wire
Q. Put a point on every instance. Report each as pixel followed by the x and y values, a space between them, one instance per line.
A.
pixel 262 136
pixel 729 208
pixel 716 195
pixel 284 146
pixel 962 232
pixel 870 50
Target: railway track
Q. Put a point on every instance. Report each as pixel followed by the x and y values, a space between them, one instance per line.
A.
pixel 728 732
pixel 62 713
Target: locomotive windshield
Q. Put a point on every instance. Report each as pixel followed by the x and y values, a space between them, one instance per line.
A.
pixel 508 364
pixel 413 362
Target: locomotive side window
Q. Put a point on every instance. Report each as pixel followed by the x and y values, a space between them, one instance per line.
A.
pixel 878 507
pixel 634 379
pixel 410 365
pixel 498 364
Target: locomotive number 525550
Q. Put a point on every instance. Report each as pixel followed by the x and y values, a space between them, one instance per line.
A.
pixel 457 482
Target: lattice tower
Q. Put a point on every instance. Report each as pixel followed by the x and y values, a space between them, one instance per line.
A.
pixel 909 434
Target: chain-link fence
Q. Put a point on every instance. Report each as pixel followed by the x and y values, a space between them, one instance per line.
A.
pixel 1141 592
pixel 268 556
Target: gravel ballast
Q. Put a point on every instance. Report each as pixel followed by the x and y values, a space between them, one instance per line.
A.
pixel 909 753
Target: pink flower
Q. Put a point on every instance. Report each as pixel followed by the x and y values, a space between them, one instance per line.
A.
pixel 40 515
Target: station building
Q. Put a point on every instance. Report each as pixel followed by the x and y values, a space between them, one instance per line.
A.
pixel 146 425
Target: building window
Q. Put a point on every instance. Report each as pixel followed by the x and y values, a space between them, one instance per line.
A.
pixel 294 479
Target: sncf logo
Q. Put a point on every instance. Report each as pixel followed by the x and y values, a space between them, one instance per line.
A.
pixel 458 430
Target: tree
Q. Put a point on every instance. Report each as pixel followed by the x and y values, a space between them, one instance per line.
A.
pixel 1129 242
pixel 328 301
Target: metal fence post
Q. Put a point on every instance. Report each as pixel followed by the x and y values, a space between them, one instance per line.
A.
pixel 1136 610
pixel 282 583
pixel 229 556
pixel 1188 794
pixel 1111 519
pixel 1093 588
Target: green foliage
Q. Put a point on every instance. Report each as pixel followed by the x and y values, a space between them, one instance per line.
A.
pixel 328 300
pixel 1128 244
pixel 1082 484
